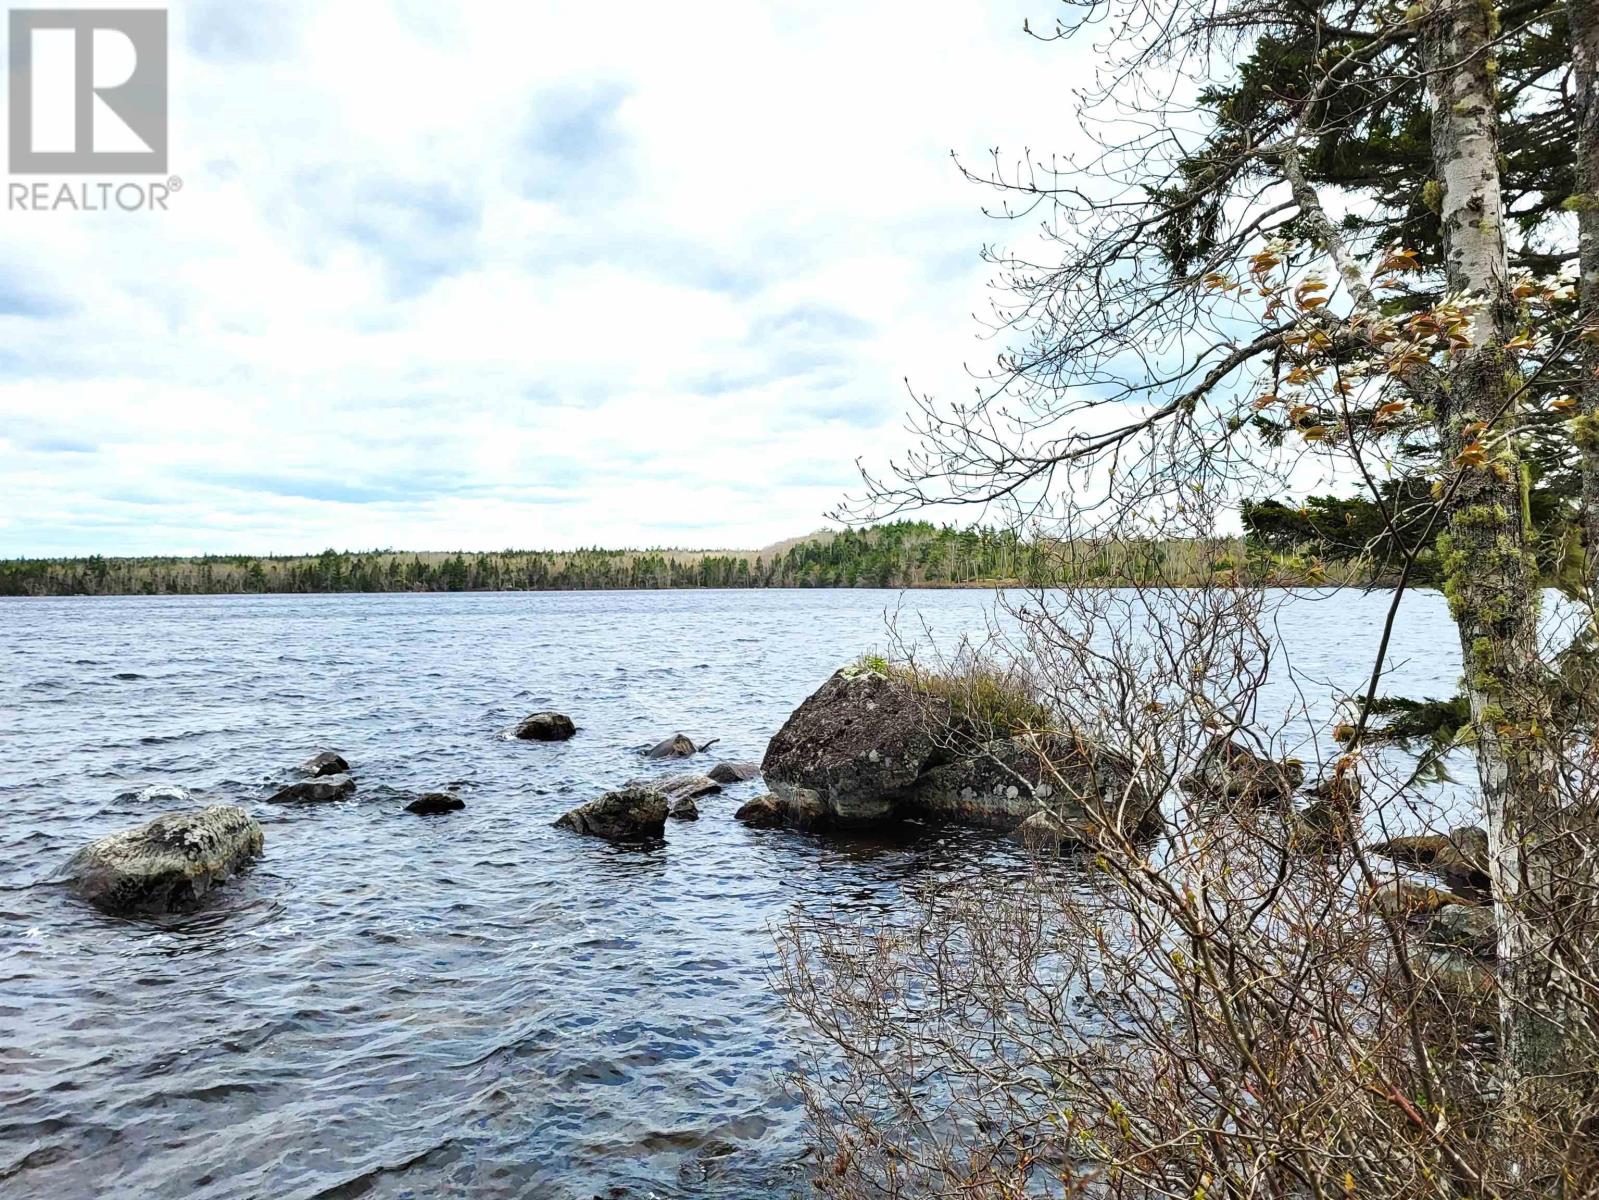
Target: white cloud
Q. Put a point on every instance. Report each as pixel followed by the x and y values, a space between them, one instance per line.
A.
pixel 545 274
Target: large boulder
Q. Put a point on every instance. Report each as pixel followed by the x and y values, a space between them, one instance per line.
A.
pixel 1083 788
pixel 734 772
pixel 166 863
pixel 1230 771
pixel 629 814
pixel 854 748
pixel 318 790
pixel 326 763
pixel 545 727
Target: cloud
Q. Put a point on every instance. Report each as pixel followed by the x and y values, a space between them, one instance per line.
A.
pixel 551 274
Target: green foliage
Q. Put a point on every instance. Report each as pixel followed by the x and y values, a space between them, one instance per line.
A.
pixel 981 696
pixel 1438 722
pixel 903 554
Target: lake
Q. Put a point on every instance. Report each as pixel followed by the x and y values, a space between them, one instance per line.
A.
pixel 390 1005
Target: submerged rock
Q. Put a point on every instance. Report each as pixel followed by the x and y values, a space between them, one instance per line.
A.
pixel 545 727
pixel 683 808
pixel 763 812
pixel 680 787
pixel 326 763
pixel 435 802
pixel 166 863
pixel 734 772
pixel 1230 771
pixel 1043 831
pixel 314 791
pixel 676 746
pixel 630 814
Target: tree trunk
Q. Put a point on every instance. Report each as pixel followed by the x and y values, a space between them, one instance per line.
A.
pixel 1491 577
pixel 1584 21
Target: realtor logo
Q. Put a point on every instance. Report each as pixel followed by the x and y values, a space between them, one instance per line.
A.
pixel 88 91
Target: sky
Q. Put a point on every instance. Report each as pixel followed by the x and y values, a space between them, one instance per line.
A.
pixel 546 274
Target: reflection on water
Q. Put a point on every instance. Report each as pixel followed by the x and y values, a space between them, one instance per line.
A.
pixel 395 1006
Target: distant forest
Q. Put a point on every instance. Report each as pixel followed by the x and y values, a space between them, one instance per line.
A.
pixel 904 554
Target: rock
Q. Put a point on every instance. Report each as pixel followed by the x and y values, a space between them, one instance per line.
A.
pixel 435 802
pixel 681 787
pixel 166 863
pixel 326 763
pixel 1459 858
pixel 1228 770
pixel 1401 898
pixel 763 812
pixel 734 772
pixel 630 814
pixel 1083 788
pixel 314 791
pixel 1468 927
pixel 1043 831
pixel 855 748
pixel 676 746
pixel 683 808
pixel 1319 828
pixel 546 727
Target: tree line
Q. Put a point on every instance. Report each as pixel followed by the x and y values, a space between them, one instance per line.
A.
pixel 901 554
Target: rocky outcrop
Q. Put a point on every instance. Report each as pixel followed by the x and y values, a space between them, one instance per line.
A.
pixel 545 727
pixel 326 763
pixel 1459 858
pixel 167 863
pixel 1230 771
pixel 431 803
pixel 319 790
pixel 867 748
pixel 734 772
pixel 1084 789
pixel 629 814
pixel 676 746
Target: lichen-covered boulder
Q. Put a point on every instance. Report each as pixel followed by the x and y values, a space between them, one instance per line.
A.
pixel 676 746
pixel 167 863
pixel 1230 771
pixel 318 790
pixel 432 803
pixel 854 748
pixel 628 814
pixel 545 727
pixel 734 772
pixel 326 763
pixel 1085 788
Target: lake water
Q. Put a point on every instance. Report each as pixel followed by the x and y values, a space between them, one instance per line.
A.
pixel 475 1003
